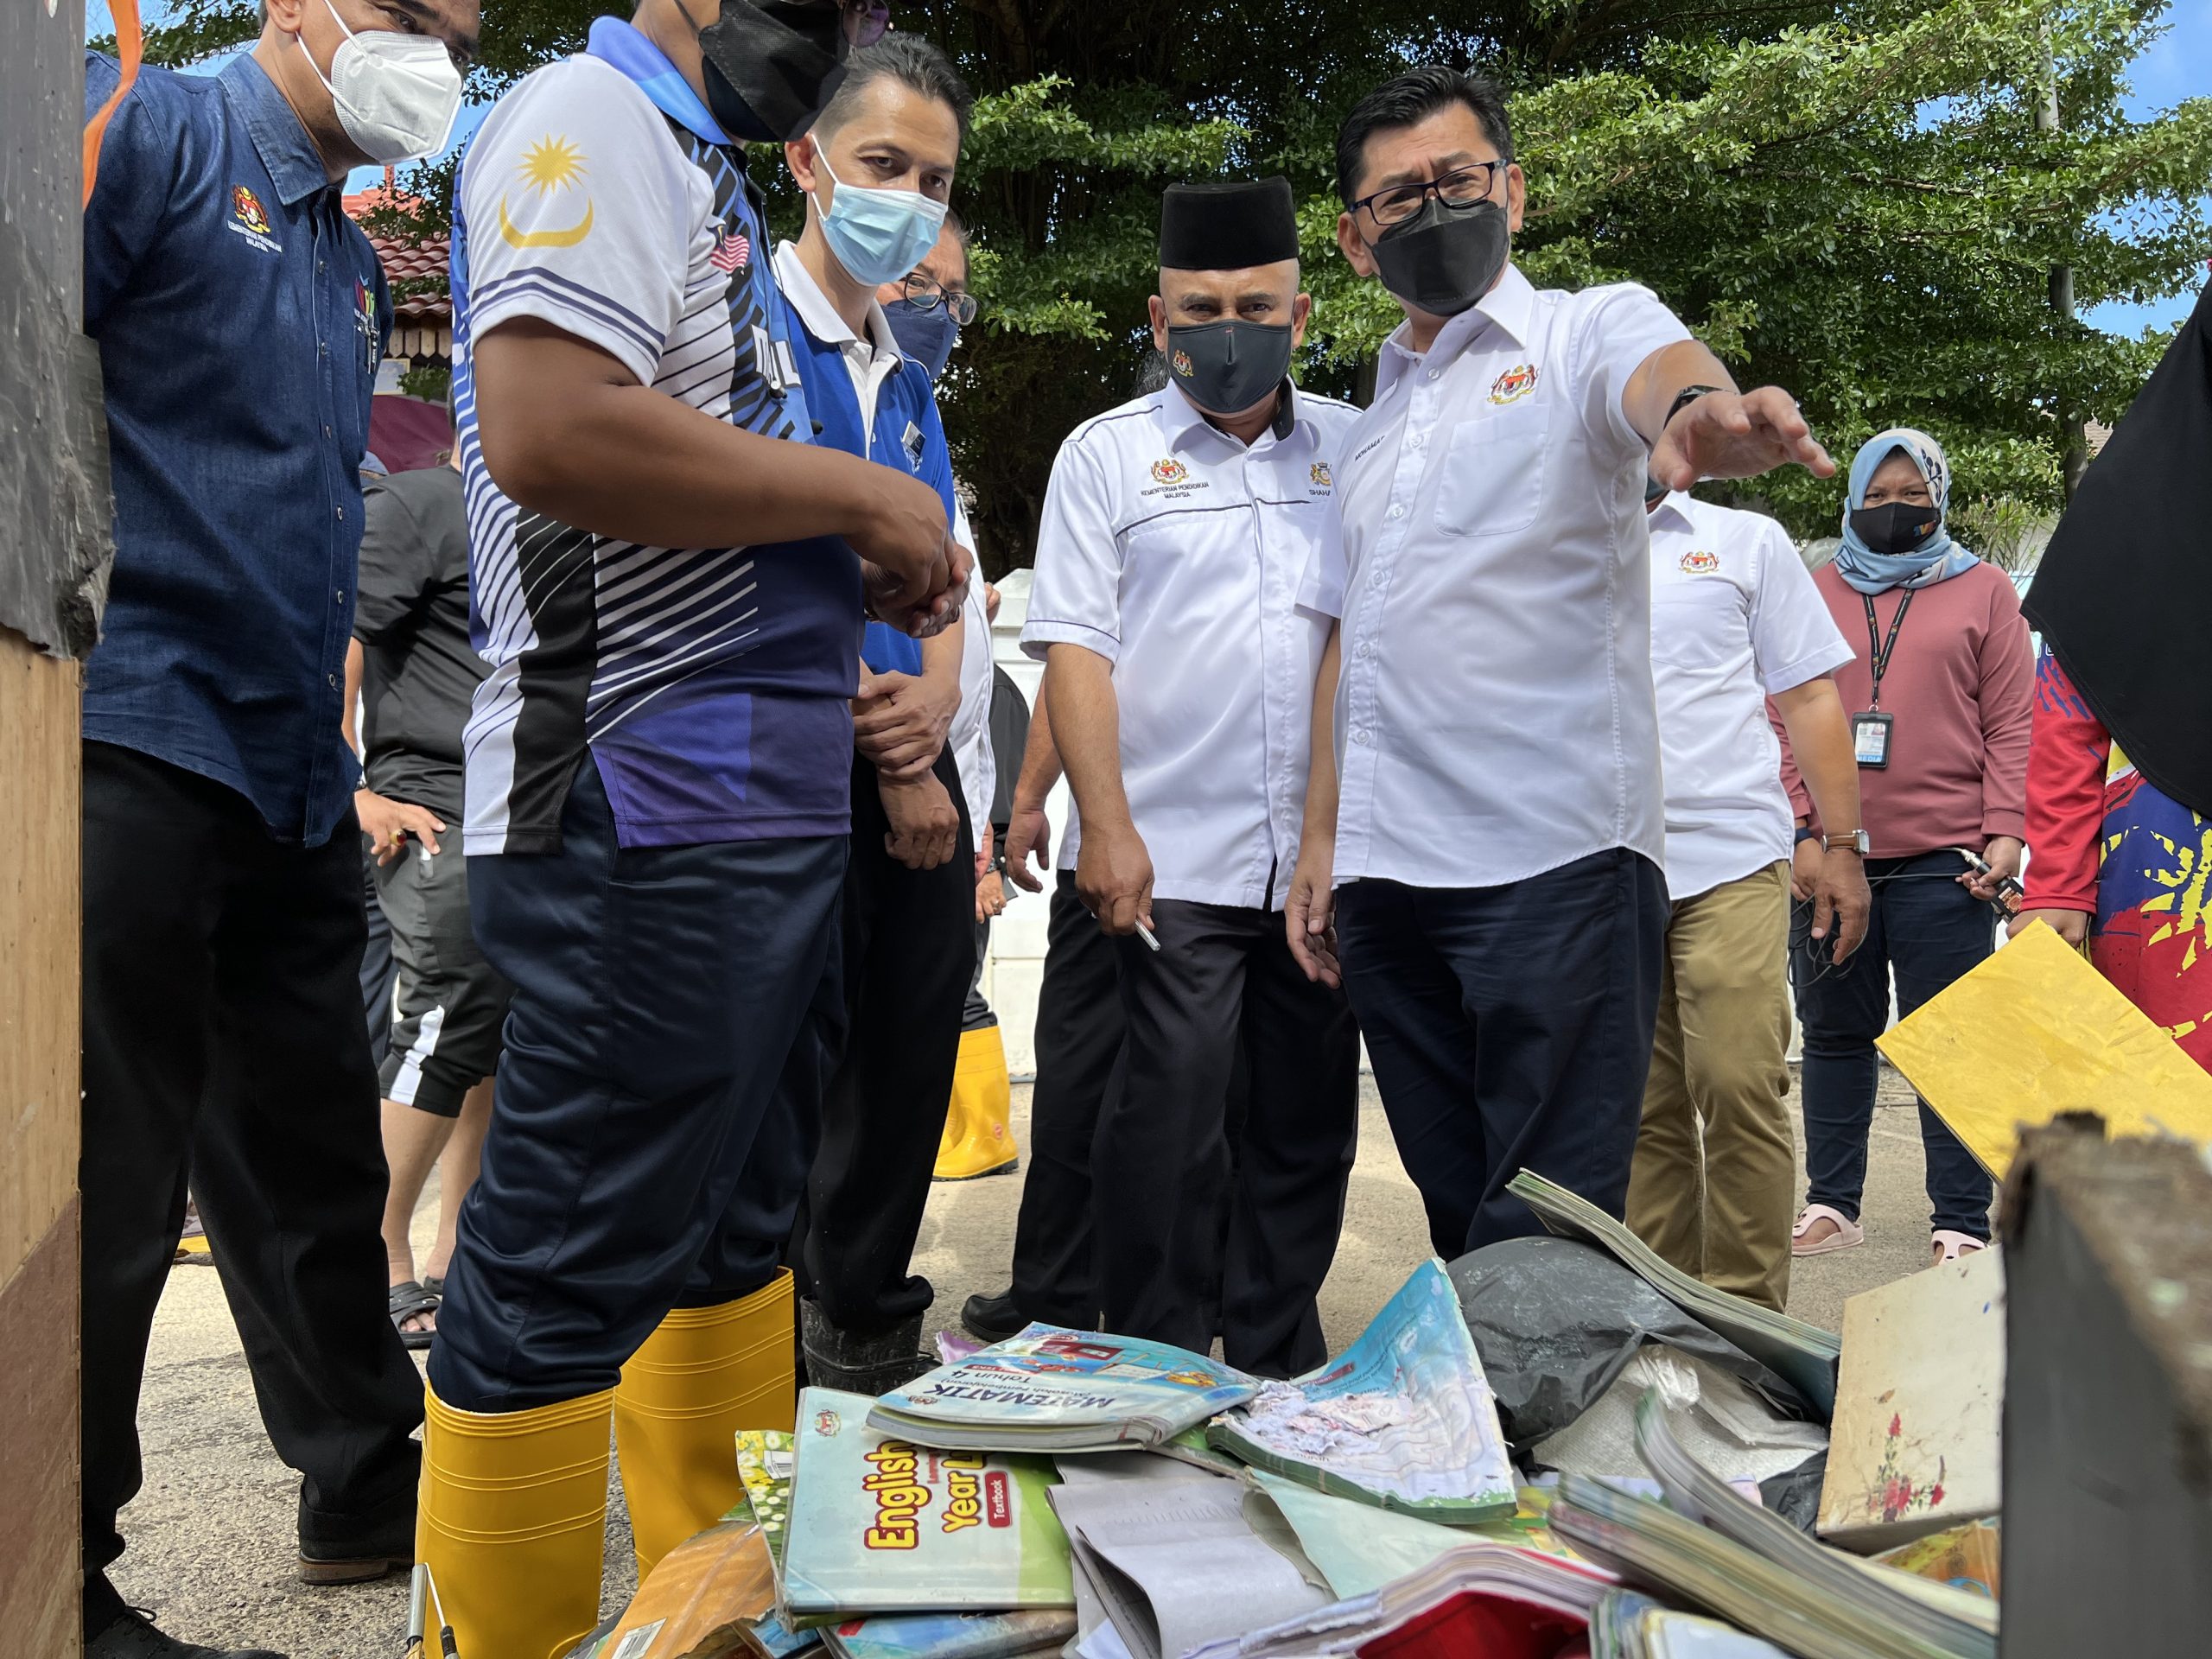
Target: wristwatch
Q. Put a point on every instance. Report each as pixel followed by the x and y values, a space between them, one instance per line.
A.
pixel 1683 399
pixel 1805 833
pixel 1854 841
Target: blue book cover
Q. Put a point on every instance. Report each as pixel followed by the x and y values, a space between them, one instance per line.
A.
pixel 1404 1420
pixel 1051 1389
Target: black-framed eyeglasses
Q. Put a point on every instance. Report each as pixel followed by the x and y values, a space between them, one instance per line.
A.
pixel 863 20
pixel 924 295
pixel 1461 187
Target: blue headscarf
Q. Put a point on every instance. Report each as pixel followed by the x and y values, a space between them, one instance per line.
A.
pixel 1934 559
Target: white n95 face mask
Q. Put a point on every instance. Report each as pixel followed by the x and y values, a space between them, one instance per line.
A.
pixel 397 95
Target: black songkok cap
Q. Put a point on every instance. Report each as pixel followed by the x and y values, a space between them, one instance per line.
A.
pixel 1230 226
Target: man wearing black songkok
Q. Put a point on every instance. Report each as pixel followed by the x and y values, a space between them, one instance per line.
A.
pixel 1179 673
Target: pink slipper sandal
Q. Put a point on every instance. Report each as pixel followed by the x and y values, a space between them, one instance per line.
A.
pixel 1847 1233
pixel 1946 1245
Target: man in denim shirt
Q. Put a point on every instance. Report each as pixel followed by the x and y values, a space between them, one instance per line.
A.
pixel 240 319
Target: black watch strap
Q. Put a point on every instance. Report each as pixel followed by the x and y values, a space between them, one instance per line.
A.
pixel 1805 833
pixel 1683 399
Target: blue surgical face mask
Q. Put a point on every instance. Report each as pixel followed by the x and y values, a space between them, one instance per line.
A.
pixel 877 235
pixel 927 336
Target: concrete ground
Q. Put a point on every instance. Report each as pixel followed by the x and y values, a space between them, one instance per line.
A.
pixel 212 1539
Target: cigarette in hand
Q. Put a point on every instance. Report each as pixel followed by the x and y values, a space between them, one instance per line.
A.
pixel 1147 935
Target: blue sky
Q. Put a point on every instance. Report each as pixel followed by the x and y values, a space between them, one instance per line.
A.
pixel 2178 67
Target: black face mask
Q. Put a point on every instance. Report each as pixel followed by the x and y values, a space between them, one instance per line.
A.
pixel 770 64
pixel 1653 490
pixel 1227 367
pixel 1444 258
pixel 1895 527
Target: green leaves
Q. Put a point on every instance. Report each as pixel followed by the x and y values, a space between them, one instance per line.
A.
pixel 1851 200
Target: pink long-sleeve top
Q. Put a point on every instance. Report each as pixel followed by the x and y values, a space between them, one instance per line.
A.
pixel 1960 684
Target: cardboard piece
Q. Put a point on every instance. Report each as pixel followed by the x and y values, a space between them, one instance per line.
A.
pixel 1914 1447
pixel 2033 1032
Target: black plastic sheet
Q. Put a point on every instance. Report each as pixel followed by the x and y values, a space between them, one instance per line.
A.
pixel 1556 1321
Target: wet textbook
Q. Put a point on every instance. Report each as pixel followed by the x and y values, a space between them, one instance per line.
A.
pixel 1051 1389
pixel 880 1525
pixel 1405 1420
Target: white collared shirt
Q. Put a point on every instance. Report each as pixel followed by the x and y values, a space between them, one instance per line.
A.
pixel 970 737
pixel 1735 619
pixel 1494 715
pixel 870 362
pixel 1176 553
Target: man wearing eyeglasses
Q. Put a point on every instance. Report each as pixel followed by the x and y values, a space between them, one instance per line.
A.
pixel 668 576
pixel 1485 797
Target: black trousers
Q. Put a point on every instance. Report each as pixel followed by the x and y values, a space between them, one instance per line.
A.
pixel 909 941
pixel 1224 982
pixel 1078 1038
pixel 377 969
pixel 1511 1028
pixel 224 1044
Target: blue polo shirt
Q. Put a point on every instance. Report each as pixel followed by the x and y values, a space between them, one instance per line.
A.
pixel 240 317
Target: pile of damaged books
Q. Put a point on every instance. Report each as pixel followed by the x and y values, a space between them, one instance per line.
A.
pixel 1556 1447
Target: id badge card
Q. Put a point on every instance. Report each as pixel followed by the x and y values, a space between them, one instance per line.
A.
pixel 1869 738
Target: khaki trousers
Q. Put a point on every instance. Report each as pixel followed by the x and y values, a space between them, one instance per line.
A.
pixel 1715 1168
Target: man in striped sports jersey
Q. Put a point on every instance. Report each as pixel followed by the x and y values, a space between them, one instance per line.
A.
pixel 668 578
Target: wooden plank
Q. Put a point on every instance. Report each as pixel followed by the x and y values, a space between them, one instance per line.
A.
pixel 1913 1449
pixel 2108 1396
pixel 39 1599
pixel 41 833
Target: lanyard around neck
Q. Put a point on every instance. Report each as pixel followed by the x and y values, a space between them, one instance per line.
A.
pixel 1880 648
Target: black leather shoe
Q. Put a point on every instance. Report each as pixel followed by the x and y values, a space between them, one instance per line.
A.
pixel 133 1636
pixel 992 1319
pixel 355 1546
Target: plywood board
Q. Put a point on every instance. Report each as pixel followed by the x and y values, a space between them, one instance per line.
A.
pixel 2033 1032
pixel 1919 1398
pixel 38 1522
pixel 40 925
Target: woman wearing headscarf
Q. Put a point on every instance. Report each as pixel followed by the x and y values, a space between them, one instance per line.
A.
pixel 2120 777
pixel 1939 694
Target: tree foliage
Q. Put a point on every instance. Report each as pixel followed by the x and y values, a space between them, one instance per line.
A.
pixel 1855 202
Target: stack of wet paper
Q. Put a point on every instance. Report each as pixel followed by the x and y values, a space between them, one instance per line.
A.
pixel 1708 1547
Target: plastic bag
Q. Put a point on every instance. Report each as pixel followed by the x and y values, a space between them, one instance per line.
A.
pixel 701 1601
pixel 1556 1320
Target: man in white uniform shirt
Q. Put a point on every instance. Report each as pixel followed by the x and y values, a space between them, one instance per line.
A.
pixel 1179 675
pixel 1735 620
pixel 1494 841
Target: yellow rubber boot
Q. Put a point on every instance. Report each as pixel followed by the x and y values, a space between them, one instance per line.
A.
pixel 978 1140
pixel 705 1373
pixel 512 1523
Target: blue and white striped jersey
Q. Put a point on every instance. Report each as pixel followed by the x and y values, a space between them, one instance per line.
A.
pixel 709 684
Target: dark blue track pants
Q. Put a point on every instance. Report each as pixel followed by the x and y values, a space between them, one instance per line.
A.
pixel 647 1149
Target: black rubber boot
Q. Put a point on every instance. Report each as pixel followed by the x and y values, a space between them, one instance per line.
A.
pixel 870 1365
